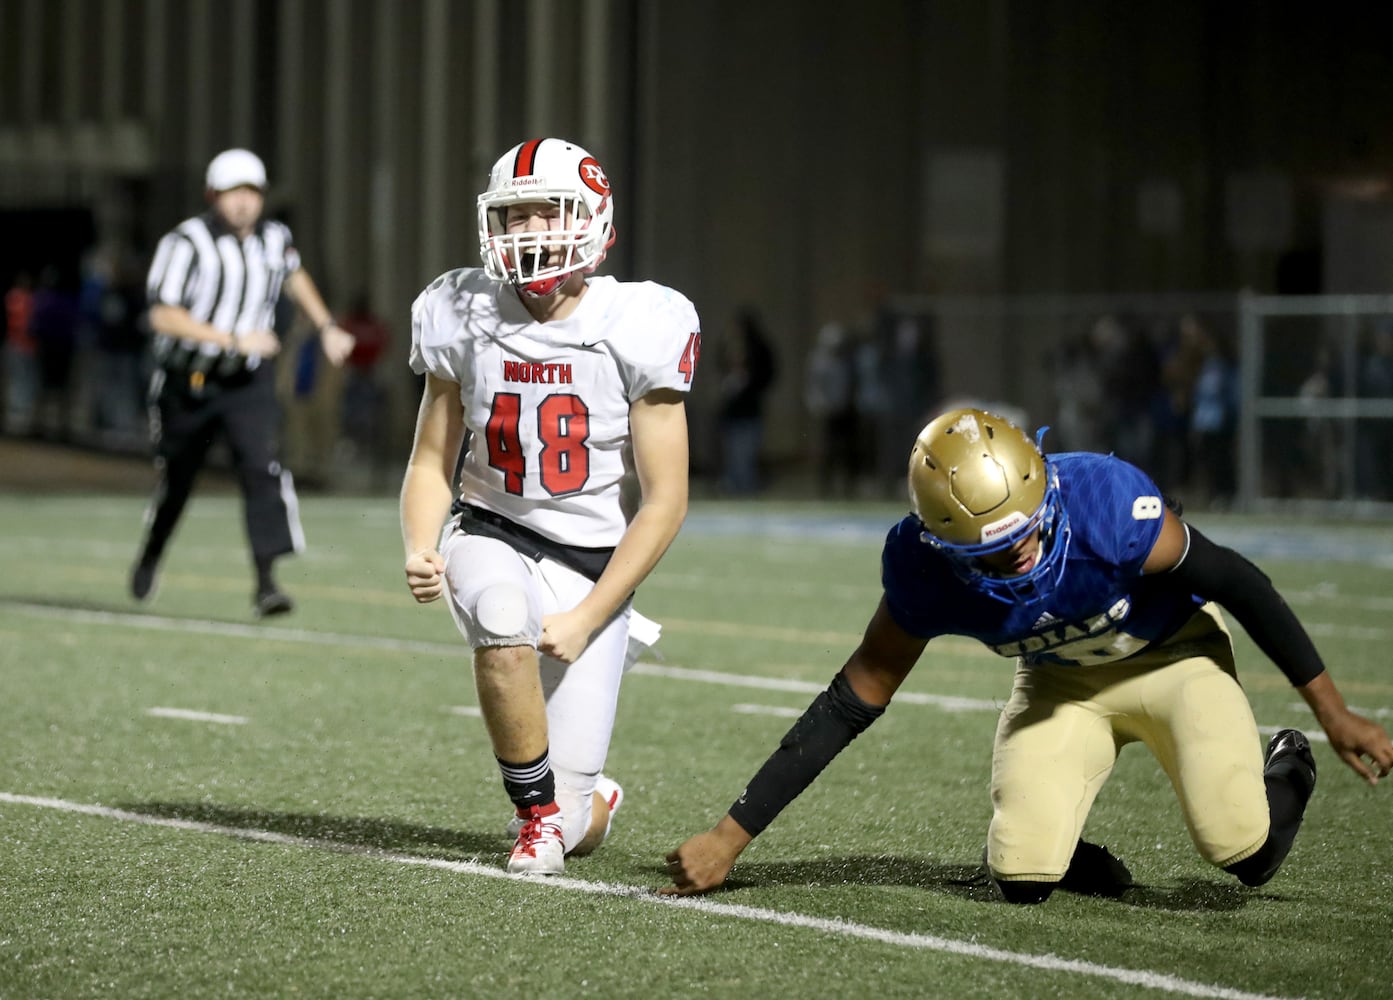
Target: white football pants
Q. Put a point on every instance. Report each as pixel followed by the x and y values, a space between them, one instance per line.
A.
pixel 515 591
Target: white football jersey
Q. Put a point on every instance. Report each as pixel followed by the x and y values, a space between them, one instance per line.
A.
pixel 547 404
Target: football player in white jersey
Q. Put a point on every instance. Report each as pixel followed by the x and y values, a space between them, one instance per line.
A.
pixel 566 393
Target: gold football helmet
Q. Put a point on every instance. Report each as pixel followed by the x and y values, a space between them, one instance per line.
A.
pixel 979 485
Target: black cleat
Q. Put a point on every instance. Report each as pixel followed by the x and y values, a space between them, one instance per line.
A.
pixel 272 602
pixel 1289 755
pixel 143 580
pixel 1093 871
pixel 1289 772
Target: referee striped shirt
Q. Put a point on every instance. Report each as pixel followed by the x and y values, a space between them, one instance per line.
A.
pixel 229 283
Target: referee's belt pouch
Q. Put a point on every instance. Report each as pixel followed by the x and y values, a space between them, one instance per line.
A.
pixel 589 563
pixel 202 385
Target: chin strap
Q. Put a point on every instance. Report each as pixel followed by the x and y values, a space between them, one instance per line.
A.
pixel 541 289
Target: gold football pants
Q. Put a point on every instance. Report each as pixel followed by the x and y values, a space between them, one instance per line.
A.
pixel 1059 736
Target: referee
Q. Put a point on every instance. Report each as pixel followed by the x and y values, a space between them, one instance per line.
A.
pixel 213 288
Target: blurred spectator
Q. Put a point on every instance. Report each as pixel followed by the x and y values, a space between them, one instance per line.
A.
pixel 21 356
pixel 94 277
pixel 1214 420
pixel 748 370
pixel 871 400
pixel 364 399
pixel 1319 443
pixel 1181 360
pixel 1374 436
pixel 1078 393
pixel 1130 373
pixel 54 325
pixel 829 393
pixel 119 407
pixel 313 402
pixel 910 378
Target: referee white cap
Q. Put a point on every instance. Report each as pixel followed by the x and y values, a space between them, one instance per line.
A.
pixel 234 168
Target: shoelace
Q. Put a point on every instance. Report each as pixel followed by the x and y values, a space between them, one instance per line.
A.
pixel 532 831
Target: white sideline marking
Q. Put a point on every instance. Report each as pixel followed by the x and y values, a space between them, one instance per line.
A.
pixel 643 894
pixel 192 716
pixel 470 710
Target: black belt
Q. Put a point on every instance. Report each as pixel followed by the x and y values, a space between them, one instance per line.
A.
pixel 589 563
pixel 201 384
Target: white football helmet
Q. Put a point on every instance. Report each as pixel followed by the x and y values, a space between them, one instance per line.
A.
pixel 979 485
pixel 536 262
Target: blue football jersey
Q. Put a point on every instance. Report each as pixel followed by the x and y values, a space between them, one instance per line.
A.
pixel 1102 608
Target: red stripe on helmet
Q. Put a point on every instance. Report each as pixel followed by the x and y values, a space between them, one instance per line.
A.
pixel 527 158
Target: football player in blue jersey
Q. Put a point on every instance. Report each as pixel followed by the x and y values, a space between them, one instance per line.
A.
pixel 1076 566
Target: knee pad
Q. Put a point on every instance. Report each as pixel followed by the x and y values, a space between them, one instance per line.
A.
pixel 501 610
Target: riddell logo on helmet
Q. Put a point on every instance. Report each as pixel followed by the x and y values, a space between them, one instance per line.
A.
pixel 593 177
pixel 1005 526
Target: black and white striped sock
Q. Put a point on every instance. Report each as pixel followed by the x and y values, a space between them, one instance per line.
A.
pixel 530 783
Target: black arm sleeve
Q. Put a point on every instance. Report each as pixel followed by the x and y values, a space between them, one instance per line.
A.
pixel 835 718
pixel 1221 574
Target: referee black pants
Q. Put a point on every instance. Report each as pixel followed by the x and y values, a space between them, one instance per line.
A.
pixel 245 413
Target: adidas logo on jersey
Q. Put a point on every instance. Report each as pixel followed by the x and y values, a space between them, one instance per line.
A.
pixel 1044 620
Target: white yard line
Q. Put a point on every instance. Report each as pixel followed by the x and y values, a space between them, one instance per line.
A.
pixel 782 711
pixel 949 703
pixel 192 626
pixel 643 894
pixel 231 630
pixel 192 716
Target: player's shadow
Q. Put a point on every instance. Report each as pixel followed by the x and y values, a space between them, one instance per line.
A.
pixel 346 832
pixel 1194 894
pixel 66 603
pixel 966 881
pixel 126 608
pixel 970 882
